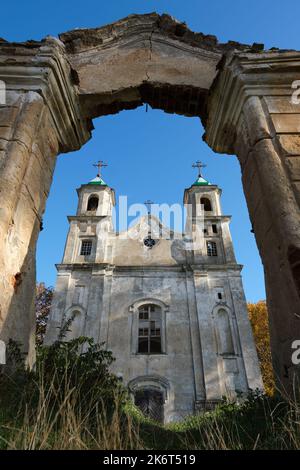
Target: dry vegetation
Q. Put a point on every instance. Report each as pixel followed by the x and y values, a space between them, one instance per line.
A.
pixel 81 405
pixel 72 401
pixel 258 315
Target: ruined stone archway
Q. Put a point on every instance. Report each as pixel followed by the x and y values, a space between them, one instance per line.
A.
pixel 54 88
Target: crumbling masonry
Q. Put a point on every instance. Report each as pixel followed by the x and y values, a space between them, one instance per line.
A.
pixel 242 94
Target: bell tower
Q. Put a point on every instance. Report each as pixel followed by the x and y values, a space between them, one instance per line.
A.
pixel 92 223
pixel 206 221
pixel 96 198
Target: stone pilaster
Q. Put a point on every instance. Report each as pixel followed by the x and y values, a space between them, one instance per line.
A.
pixel 207 338
pixel 251 114
pixel 106 299
pixel 227 242
pixel 58 307
pixel 195 339
pixel 246 346
pixel 39 120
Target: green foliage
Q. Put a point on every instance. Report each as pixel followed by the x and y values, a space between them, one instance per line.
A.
pixel 257 422
pixel 81 366
pixel 16 382
pixel 43 299
pixel 72 400
pixel 75 371
pixel 258 316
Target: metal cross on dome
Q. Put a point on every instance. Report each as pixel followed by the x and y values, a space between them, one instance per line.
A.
pixel 149 242
pixel 100 164
pixel 148 204
pixel 199 165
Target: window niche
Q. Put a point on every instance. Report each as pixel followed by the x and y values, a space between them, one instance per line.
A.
pixel 224 334
pixel 76 317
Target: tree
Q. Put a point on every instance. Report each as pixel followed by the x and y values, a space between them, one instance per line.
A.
pixel 43 301
pixel 258 315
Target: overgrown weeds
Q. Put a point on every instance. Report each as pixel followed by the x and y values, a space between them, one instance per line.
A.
pixel 73 401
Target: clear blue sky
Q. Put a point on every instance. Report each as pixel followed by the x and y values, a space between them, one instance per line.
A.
pixel 150 154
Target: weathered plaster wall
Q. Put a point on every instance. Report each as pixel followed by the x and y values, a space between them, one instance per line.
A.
pixel 241 93
pixel 258 121
pixel 190 361
pixel 33 130
pixel 104 295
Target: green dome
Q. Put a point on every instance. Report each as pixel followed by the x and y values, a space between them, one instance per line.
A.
pixel 98 181
pixel 201 182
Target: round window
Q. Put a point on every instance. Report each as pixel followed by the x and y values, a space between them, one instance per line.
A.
pixel 149 242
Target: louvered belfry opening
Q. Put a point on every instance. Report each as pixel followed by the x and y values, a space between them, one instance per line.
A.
pixel 151 404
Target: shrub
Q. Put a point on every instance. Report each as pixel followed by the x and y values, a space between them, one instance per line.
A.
pixel 258 315
pixel 71 389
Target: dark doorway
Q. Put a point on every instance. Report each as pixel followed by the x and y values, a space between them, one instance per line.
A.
pixel 151 404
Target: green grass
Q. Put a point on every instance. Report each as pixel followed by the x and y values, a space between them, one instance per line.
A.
pixel 72 401
pixel 258 423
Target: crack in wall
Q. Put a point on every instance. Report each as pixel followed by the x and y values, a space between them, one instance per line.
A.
pixel 150 51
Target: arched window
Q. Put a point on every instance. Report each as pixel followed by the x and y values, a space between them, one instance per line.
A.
pixel 206 203
pixel 225 341
pixel 93 203
pixel 149 329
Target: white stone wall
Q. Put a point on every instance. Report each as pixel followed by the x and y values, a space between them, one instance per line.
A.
pixel 208 348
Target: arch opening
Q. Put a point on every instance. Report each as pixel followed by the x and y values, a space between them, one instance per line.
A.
pixel 93 203
pixel 175 79
pixel 206 203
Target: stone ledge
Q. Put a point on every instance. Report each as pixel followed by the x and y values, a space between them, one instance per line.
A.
pixel 206 405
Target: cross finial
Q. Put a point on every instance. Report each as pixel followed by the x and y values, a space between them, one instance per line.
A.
pixel 199 165
pixel 148 204
pixel 100 164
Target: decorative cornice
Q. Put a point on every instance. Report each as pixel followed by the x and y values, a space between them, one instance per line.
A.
pixel 86 218
pixel 197 269
pixel 135 26
pixel 44 68
pixel 241 76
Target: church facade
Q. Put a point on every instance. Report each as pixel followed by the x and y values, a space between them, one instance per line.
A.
pixel 171 308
